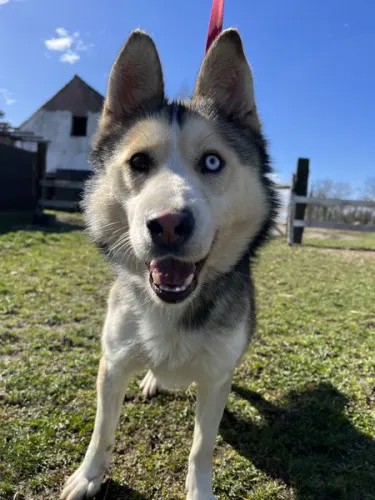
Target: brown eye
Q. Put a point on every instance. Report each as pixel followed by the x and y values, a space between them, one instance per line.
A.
pixel 141 161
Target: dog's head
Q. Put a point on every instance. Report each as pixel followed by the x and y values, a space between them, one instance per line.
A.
pixel 180 192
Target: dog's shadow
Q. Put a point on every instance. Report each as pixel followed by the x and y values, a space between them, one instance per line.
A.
pixel 306 441
pixel 111 490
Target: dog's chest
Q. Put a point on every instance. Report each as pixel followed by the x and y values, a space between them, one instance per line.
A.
pixel 179 357
pixel 166 343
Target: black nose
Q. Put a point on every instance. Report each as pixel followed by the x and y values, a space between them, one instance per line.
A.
pixel 171 228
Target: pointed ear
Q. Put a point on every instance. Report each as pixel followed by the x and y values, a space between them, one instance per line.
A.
pixel 136 79
pixel 225 78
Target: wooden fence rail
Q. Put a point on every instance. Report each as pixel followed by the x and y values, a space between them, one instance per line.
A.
pixel 294 222
pixel 328 202
pixel 62 183
pixel 63 190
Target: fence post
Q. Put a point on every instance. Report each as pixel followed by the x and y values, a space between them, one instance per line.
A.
pixel 300 188
pixel 291 213
pixel 41 163
pixel 41 156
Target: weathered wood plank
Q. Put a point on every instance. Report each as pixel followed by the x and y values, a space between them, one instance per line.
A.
pixel 291 215
pixel 59 204
pixel 333 225
pixel 61 183
pixel 333 201
pixel 300 187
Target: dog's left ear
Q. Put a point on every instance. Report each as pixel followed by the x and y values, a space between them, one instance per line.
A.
pixel 135 80
pixel 225 78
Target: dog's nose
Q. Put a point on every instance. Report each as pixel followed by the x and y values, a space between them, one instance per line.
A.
pixel 171 228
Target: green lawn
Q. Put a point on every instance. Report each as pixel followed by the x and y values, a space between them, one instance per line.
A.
pixel 339 239
pixel 300 422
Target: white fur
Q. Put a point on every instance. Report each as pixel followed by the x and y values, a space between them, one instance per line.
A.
pixel 141 332
pixel 133 340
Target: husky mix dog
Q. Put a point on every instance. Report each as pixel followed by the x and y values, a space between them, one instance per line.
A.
pixel 180 201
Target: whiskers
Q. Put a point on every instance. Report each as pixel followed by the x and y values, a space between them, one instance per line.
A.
pixel 122 248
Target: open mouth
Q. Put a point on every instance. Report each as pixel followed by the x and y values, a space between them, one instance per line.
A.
pixel 174 280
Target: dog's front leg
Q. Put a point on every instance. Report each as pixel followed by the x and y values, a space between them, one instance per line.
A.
pixel 111 384
pixel 118 364
pixel 211 400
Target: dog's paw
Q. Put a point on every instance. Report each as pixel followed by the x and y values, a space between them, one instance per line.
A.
pixel 81 485
pixel 149 385
pixel 200 495
pixel 198 487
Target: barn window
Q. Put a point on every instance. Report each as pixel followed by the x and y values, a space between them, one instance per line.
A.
pixel 79 126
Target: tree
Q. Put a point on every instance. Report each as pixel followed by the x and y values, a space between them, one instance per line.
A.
pixel 327 188
pixel 4 125
pixel 369 189
pixel 322 188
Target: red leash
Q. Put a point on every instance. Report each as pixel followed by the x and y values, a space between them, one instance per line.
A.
pixel 216 21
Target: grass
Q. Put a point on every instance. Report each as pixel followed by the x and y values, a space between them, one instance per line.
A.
pixel 339 239
pixel 300 421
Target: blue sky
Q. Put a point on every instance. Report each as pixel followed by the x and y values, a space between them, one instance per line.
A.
pixel 313 65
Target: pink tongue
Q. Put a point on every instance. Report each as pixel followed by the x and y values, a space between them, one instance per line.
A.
pixel 171 272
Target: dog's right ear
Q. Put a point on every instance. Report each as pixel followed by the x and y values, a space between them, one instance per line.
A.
pixel 136 79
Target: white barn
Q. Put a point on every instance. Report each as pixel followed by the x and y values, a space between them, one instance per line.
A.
pixel 68 121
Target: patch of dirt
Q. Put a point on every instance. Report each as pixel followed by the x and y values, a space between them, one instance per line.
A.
pixel 327 235
pixel 351 254
pixel 6 358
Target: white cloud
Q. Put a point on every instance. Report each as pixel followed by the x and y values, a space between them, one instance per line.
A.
pixel 70 57
pixel 7 96
pixel 3 2
pixel 68 43
pixel 62 32
pixel 61 43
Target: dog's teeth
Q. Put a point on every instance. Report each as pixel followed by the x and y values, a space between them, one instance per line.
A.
pixel 173 288
pixel 189 280
pixel 155 277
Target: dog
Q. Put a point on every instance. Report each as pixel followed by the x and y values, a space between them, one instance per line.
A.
pixel 180 201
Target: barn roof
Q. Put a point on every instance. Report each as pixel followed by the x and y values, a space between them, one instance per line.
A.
pixel 76 96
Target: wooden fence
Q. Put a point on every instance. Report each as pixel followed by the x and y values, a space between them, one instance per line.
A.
pixel 22 166
pixel 63 190
pixel 295 222
pixel 58 204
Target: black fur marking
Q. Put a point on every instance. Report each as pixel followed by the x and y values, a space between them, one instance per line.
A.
pixel 105 142
pixel 273 201
pixel 176 112
pixel 104 146
pixel 104 249
pixel 222 302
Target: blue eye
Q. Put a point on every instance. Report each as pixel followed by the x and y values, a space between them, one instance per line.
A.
pixel 211 163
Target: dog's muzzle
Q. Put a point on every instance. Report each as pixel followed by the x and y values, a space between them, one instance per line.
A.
pixel 173 280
